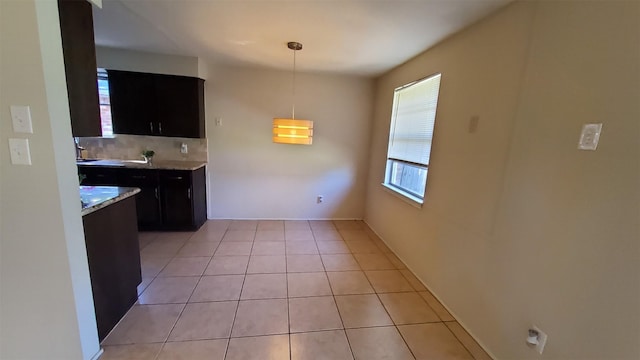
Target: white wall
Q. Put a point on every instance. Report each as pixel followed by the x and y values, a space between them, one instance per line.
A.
pixel 140 61
pixel 519 227
pixel 46 305
pixel 247 100
pixel 251 177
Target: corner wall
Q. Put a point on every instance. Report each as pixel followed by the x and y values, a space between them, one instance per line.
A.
pixel 46 304
pixel 251 177
pixel 519 227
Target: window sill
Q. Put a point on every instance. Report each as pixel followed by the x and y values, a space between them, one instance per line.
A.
pixel 404 196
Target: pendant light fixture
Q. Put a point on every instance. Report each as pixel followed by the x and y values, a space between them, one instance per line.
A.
pixel 292 131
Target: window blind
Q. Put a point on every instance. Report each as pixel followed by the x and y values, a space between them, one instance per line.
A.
pixel 414 113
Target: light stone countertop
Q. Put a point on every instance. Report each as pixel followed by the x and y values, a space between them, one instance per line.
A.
pixel 141 164
pixel 94 198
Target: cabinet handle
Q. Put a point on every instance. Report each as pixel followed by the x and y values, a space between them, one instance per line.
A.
pixel 151 127
pixel 175 177
pixel 160 127
pixel 156 189
pixel 100 175
pixel 139 177
pixel 189 193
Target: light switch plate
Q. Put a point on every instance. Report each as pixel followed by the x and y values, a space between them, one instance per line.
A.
pixel 19 150
pixel 590 136
pixel 21 119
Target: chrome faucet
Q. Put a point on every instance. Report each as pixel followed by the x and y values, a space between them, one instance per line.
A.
pixel 79 148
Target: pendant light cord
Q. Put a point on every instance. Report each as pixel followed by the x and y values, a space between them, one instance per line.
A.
pixel 293 90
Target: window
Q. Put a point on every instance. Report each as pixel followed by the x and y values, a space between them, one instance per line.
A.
pixel 105 103
pixel 410 136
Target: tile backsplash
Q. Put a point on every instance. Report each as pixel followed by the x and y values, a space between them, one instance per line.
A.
pixel 129 147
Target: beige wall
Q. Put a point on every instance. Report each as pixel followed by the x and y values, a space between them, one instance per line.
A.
pixel 251 177
pixel 141 61
pixel 46 305
pixel 519 227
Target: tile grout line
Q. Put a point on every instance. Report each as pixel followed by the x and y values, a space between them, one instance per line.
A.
pixel 189 298
pixel 235 315
pixel 325 272
pixel 387 311
pixel 344 330
pixel 136 303
pixel 389 315
pixel 395 326
pixel 158 274
pixel 459 340
pixel 286 275
pixel 428 305
pixel 185 304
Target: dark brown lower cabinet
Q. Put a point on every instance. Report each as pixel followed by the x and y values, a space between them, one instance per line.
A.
pixel 176 198
pixel 183 198
pixel 95 176
pixel 168 200
pixel 111 236
pixel 148 199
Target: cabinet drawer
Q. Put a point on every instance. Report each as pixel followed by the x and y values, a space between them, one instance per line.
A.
pixel 98 176
pixel 175 177
pixel 138 177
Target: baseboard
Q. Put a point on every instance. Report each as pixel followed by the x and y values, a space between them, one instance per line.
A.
pixel 482 345
pixel 98 354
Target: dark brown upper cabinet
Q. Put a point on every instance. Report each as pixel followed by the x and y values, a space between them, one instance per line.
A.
pixel 181 105
pixel 156 104
pixel 133 103
pixel 79 51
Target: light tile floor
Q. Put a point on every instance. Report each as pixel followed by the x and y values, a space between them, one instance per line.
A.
pixel 290 290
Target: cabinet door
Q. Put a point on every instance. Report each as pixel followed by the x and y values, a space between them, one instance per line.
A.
pixel 98 176
pixel 113 253
pixel 148 208
pixel 133 104
pixel 148 199
pixel 199 196
pixel 180 102
pixel 78 48
pixel 176 195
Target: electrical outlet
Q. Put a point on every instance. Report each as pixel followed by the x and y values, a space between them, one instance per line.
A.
pixel 541 340
pixel 590 136
pixel 184 149
pixel 319 199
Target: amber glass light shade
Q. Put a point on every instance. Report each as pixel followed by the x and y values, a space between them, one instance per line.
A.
pixel 290 131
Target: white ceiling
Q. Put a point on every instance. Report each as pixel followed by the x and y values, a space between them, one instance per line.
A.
pixel 365 37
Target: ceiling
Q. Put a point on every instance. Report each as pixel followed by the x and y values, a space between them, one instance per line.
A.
pixel 365 37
